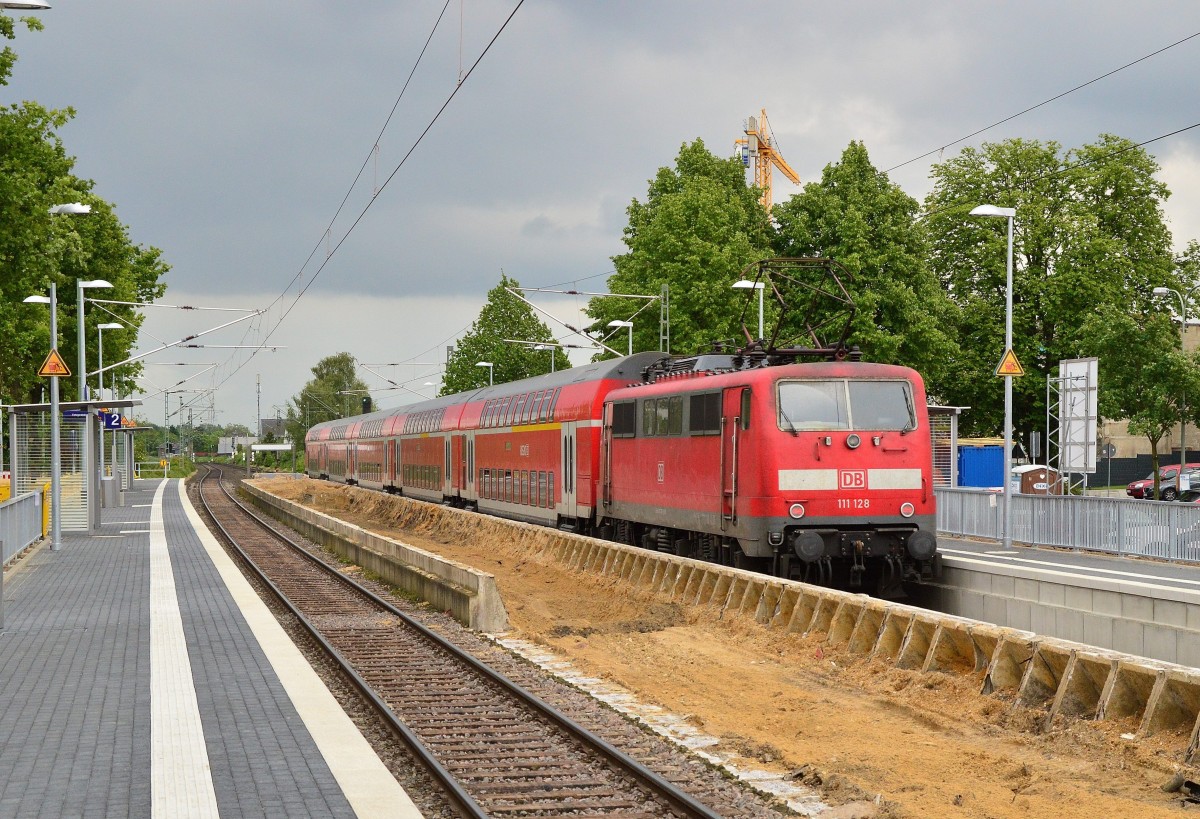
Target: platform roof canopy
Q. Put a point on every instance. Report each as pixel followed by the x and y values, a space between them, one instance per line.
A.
pixel 64 406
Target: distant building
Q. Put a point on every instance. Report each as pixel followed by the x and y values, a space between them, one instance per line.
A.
pixel 276 427
pixel 228 445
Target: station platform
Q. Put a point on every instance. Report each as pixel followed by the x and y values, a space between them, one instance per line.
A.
pixel 141 676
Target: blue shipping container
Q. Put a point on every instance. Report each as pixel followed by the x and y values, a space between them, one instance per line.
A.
pixel 981 466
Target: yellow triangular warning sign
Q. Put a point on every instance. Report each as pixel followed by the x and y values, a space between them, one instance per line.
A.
pixel 1009 364
pixel 54 366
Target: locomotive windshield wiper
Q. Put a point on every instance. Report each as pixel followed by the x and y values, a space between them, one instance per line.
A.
pixel 790 426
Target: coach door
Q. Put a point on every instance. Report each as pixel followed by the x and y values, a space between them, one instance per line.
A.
pixel 469 487
pixel 570 449
pixel 735 408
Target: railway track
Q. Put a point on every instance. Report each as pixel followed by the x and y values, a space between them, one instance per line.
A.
pixel 495 748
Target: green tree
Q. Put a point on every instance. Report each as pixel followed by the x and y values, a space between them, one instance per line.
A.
pixel 334 391
pixel 698 228
pixel 1144 375
pixel 1089 234
pixel 857 217
pixel 37 249
pixel 504 316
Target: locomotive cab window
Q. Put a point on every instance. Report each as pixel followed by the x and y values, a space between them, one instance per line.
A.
pixel 662 416
pixel 704 413
pixel 882 405
pixel 624 419
pixel 836 404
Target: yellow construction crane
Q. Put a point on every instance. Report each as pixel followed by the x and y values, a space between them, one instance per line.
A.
pixel 758 149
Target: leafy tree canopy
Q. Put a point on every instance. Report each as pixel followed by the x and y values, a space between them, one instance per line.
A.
pixel 37 249
pixel 335 391
pixel 698 228
pixel 504 316
pixel 857 217
pixel 1145 377
pixel 1089 235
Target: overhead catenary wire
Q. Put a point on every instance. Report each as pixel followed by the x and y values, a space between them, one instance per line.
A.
pixel 1083 163
pixel 1042 103
pixel 350 230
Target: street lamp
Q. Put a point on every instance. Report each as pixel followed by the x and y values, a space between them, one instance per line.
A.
pixel 112 325
pixel 628 324
pixel 746 284
pixel 1162 291
pixel 80 286
pixel 489 366
pixel 1009 214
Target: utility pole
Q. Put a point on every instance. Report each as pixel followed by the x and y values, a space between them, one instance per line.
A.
pixel 258 408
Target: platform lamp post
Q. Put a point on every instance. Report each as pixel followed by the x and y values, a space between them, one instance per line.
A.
pixel 1163 291
pixel 746 284
pixel 629 324
pixel 69 209
pixel 1009 214
pixel 80 286
pixel 490 369
pixel 112 325
pixel 55 426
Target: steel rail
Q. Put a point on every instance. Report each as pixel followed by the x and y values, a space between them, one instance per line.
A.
pixel 677 798
pixel 454 788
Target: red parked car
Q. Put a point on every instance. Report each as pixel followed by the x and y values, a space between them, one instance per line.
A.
pixel 1166 482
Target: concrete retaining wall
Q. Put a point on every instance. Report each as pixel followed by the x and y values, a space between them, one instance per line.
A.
pixel 1118 614
pixel 1063 678
pixel 469 595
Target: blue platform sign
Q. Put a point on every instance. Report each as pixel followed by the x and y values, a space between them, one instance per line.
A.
pixel 111 420
pixel 74 414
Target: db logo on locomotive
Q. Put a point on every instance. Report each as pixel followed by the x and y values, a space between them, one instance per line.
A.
pixel 852 478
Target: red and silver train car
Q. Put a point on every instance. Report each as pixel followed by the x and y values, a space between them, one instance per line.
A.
pixel 820 471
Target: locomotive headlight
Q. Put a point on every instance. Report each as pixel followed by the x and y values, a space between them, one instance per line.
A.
pixel 907 509
pixel 852 441
pixel 796 510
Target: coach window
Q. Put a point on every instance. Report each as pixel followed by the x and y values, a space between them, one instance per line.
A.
pixel 550 490
pixel 675 415
pixel 554 401
pixel 519 412
pixel 746 408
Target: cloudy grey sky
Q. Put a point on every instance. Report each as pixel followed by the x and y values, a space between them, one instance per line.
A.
pixel 228 133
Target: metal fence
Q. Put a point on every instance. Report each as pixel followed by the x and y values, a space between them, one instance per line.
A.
pixel 20 522
pixel 31 463
pixel 1161 529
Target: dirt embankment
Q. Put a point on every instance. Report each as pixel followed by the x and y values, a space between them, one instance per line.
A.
pixel 928 743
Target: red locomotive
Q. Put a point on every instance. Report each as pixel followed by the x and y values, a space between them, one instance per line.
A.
pixel 819 470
